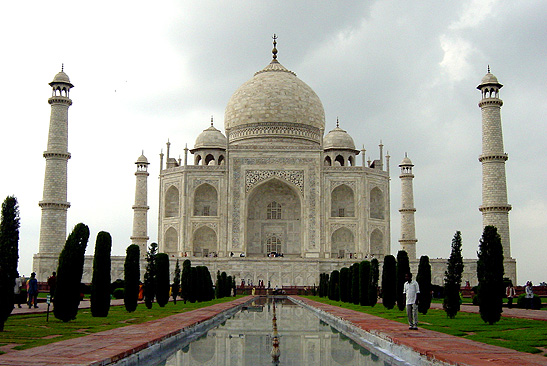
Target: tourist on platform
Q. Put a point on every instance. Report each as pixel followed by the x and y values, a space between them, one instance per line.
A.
pixel 32 289
pixel 510 293
pixel 52 284
pixel 17 290
pixel 529 297
pixel 411 290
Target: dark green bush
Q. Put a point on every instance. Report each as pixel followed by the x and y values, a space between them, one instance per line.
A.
pixel 100 283
pixel 345 285
pixel 118 293
pixel 162 279
pixel 536 303
pixel 132 277
pixel 389 282
pixel 403 267
pixel 364 283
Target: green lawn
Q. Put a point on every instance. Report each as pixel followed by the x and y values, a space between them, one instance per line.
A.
pixel 32 330
pixel 522 335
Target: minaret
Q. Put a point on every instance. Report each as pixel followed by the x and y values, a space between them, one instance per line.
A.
pixel 494 208
pixel 54 202
pixel 140 208
pixel 408 228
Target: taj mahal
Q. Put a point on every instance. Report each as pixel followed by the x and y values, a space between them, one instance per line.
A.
pixel 272 197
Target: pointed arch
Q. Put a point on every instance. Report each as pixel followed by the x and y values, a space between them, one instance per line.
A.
pixel 209 159
pixel 339 161
pixel 204 241
pixel 377 205
pixel 342 202
pixel 205 200
pixel 328 161
pixel 377 243
pixel 342 243
pixel 170 241
pixel 171 205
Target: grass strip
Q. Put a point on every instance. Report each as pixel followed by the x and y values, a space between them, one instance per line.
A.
pixel 523 335
pixel 32 330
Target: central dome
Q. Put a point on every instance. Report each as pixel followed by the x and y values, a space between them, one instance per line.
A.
pixel 274 103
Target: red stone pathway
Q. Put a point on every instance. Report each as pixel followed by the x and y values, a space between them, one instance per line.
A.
pixel 435 345
pixel 108 346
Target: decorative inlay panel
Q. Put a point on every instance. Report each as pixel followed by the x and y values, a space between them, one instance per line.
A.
pixel 252 177
pixel 197 225
pixel 334 227
pixel 334 184
pixel 197 182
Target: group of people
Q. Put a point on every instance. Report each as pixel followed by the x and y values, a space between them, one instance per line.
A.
pixel 26 291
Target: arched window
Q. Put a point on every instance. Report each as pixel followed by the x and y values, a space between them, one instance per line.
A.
pixel 170 241
pixel 221 160
pixel 205 201
pixel 377 243
pixel 376 204
pixel 342 243
pixel 339 160
pixel 342 202
pixel 328 161
pixel 205 241
pixel 273 244
pixel 172 202
pixel 274 211
pixel 209 160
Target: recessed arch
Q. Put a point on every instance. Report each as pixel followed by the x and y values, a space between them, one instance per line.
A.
pixel 205 200
pixel 205 241
pixel 377 205
pixel 342 202
pixel 209 159
pixel 339 160
pixel 273 208
pixel 328 161
pixel 170 241
pixel 377 243
pixel 342 243
pixel 171 208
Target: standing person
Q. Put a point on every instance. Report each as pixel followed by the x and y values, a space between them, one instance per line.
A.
pixel 510 293
pixel 32 288
pixel 411 289
pixel 17 290
pixel 52 284
pixel 529 297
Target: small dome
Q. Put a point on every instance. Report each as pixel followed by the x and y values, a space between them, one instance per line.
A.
pixel 211 138
pixel 338 139
pixel 142 160
pixel 61 77
pixel 406 162
pixel 489 79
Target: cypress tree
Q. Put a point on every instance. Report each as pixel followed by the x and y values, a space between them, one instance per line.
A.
pixel 490 274
pixel 100 283
pixel 334 286
pixel 364 282
pixel 323 284
pixel 229 286
pixel 218 287
pixel 176 283
pixel 389 282
pixel 69 274
pixel 185 279
pixel 345 285
pixel 403 267
pixel 192 284
pixel 9 256
pixel 453 278
pixel 424 282
pixel 209 285
pixel 162 279
pixel 355 285
pixel 150 276
pixel 225 288
pixel 132 273
pixel 374 278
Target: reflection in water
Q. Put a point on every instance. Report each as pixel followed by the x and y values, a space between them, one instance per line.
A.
pixel 247 338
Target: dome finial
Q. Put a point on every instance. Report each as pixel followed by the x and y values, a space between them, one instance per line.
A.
pixel 337 123
pixel 489 69
pixel 274 51
pixel 211 120
pixel 63 67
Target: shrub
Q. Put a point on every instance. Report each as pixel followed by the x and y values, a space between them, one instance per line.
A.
pixel 9 255
pixel 374 278
pixel 119 283
pixel 69 274
pixel 118 293
pixel 424 281
pixel 536 303
pixel 389 282
pixel 364 283
pixel 490 274
pixel 453 278
pixel 150 276
pixel 355 286
pixel 403 267
pixel 334 286
pixel 100 283
pixel 162 279
pixel 131 276
pixel 176 283
pixel 345 285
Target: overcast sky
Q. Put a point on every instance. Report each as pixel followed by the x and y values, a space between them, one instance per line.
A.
pixel 403 72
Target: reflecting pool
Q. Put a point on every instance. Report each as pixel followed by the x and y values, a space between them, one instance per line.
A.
pixel 247 339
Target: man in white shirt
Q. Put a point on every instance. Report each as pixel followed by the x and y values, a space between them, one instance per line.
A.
pixel 411 290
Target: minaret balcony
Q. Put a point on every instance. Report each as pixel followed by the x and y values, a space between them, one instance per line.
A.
pixel 493 157
pixel 495 208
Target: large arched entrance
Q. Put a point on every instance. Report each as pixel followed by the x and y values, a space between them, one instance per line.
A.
pixel 273 220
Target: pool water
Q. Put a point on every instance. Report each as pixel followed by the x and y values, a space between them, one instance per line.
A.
pixel 246 340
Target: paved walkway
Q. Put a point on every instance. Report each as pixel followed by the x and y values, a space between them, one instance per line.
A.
pixel 109 346
pixel 443 347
